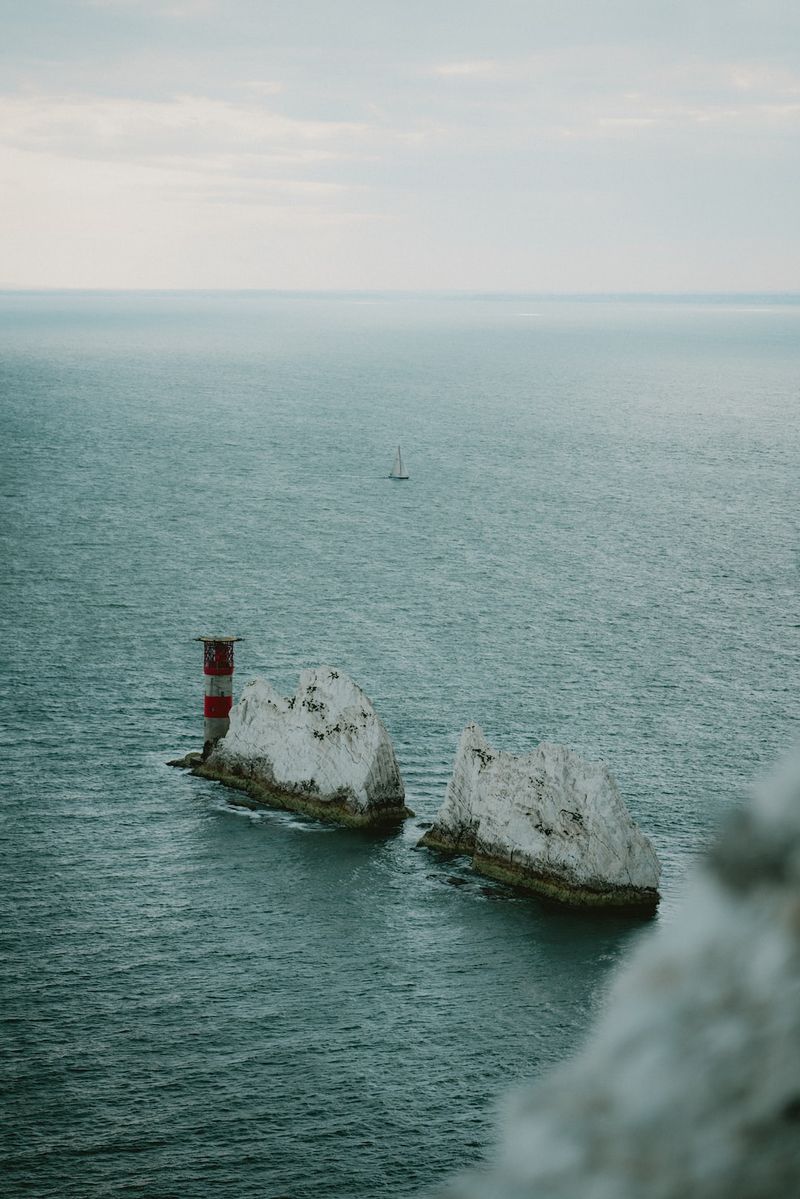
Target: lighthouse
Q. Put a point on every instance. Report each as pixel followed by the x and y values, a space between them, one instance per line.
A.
pixel 218 669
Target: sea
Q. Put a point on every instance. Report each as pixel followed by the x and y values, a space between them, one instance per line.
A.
pixel 598 546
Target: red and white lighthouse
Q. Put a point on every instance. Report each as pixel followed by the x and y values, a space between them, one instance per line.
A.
pixel 218 669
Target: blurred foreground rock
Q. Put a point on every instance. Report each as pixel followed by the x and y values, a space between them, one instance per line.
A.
pixel 689 1086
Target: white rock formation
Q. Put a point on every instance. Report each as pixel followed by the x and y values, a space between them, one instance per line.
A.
pixel 690 1083
pixel 548 820
pixel 323 750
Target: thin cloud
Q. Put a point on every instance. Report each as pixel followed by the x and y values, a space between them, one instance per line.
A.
pixel 480 68
pixel 590 93
pixel 108 127
pixel 262 87
pixel 176 10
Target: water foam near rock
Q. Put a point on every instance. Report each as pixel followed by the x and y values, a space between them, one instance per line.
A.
pixel 549 821
pixel 323 751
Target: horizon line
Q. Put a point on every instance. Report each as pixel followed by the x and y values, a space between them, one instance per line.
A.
pixel 457 293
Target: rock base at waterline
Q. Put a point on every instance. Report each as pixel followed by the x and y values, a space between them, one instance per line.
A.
pixel 192 759
pixel 255 792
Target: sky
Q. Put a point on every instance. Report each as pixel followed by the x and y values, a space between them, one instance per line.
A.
pixel 465 145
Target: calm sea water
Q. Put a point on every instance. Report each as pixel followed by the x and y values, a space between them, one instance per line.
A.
pixel 598 545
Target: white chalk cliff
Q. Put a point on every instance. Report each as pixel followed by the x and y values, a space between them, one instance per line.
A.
pixel 323 750
pixel 690 1083
pixel 548 820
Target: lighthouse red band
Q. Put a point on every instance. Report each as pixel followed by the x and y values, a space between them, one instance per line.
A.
pixel 217 706
pixel 218 670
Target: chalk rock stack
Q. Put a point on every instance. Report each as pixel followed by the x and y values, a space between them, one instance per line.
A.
pixel 548 821
pixel 690 1082
pixel 323 751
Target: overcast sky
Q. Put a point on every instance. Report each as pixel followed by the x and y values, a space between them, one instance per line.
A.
pixel 566 145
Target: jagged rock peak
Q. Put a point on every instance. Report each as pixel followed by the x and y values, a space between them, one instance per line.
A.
pixel 323 750
pixel 548 820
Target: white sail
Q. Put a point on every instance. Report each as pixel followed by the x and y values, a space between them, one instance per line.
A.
pixel 398 471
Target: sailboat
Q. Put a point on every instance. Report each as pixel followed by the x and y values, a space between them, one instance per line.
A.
pixel 398 471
